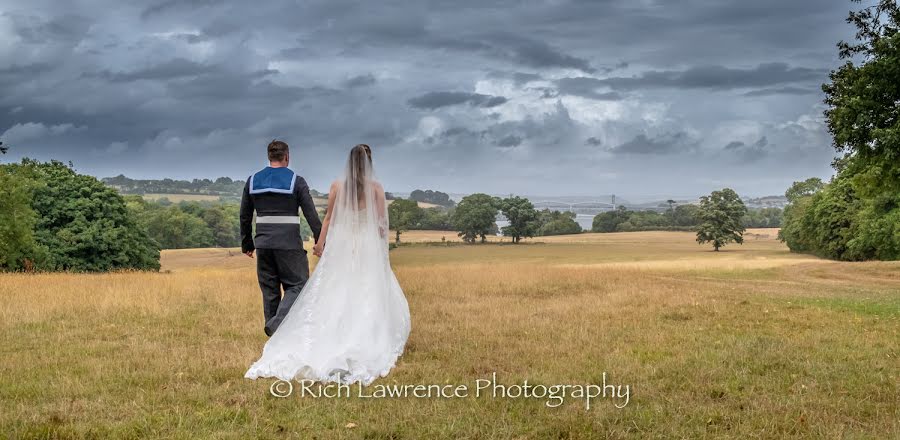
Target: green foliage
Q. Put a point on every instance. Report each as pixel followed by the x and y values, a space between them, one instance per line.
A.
pixel 436 219
pixel 805 188
pixel 721 214
pixel 433 197
pixel 475 216
pixel 686 215
pixel 191 224
pixel 403 215
pixel 18 249
pixel 679 218
pixel 522 218
pixel 837 223
pixel 609 221
pixel 177 229
pixel 557 223
pixel 763 218
pixel 80 224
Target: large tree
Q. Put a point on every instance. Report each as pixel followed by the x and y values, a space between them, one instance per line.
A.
pixel 82 224
pixel 476 216
pixel 403 215
pixel 721 213
pixel 522 218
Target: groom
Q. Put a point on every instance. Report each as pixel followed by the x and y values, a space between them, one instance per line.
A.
pixel 277 194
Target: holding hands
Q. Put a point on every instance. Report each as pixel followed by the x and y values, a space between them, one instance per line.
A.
pixel 319 248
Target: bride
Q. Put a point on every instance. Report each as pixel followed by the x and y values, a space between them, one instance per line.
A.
pixel 351 321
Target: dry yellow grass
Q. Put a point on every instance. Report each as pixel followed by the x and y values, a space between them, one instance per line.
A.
pixel 749 342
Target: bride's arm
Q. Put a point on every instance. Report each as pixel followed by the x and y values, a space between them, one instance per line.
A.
pixel 320 245
pixel 380 209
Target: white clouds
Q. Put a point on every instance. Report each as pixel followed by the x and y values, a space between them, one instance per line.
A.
pixel 36 131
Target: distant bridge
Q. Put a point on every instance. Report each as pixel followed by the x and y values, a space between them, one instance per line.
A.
pixel 590 207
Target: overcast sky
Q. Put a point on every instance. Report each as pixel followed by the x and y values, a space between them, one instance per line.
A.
pixel 639 97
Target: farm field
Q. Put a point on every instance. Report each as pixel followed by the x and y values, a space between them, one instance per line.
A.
pixel 752 341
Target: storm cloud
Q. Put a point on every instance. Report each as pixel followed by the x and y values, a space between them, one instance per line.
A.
pixel 435 100
pixel 545 97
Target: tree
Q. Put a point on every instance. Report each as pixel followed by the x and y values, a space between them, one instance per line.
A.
pixel 671 211
pixel 475 216
pixel 436 218
pixel 83 225
pixel 173 228
pixel 609 221
pixel 686 215
pixel 3 149
pixel 721 213
pixel 403 215
pixel 224 226
pixel 433 197
pixel 805 188
pixel 522 218
pixel 557 223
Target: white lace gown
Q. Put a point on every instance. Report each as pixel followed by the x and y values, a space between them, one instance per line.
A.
pixel 351 321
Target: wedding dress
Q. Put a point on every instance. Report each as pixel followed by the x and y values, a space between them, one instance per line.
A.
pixel 351 321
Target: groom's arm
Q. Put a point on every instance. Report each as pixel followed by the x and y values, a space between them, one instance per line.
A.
pixel 308 207
pixel 247 221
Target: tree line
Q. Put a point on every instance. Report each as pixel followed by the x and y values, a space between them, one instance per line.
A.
pixel 475 217
pixel 222 186
pixel 685 217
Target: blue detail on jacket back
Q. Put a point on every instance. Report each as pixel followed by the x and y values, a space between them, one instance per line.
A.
pixel 274 180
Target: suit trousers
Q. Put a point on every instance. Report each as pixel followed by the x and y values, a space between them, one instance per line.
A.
pixel 279 269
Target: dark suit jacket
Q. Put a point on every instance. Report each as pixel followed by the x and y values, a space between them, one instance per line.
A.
pixel 276 195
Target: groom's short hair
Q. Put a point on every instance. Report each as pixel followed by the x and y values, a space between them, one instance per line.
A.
pixel 278 150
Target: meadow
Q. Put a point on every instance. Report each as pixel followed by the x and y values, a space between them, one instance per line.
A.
pixel 749 342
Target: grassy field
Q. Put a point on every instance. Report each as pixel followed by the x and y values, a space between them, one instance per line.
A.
pixel 750 342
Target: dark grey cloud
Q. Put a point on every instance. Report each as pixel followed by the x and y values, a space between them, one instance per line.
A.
pixel 510 141
pixel 535 53
pixel 719 77
pixel 360 81
pixel 66 27
pixel 783 91
pixel 748 152
pixel 593 141
pixel 587 88
pixel 663 144
pixel 171 69
pixel 435 100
